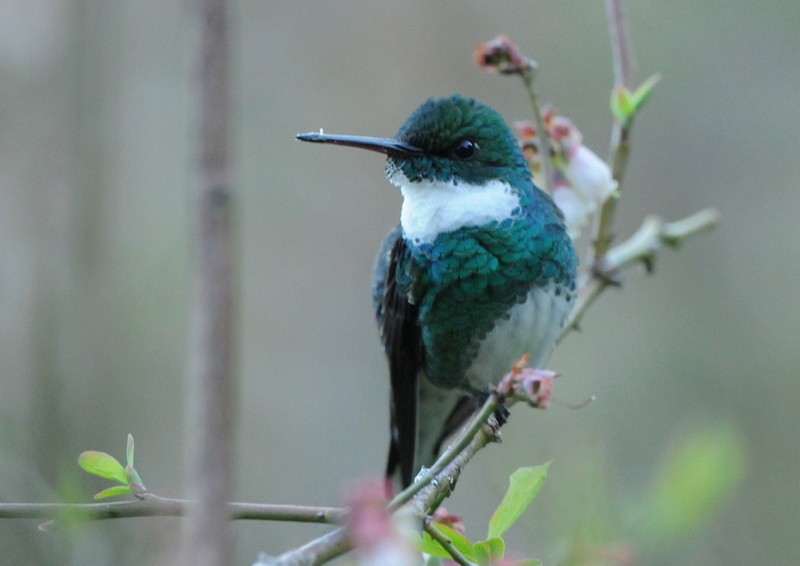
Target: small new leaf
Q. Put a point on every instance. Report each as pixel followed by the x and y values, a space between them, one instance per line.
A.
pixel 112 491
pixel 643 92
pixel 134 481
pixel 103 465
pixel 497 548
pixel 490 551
pixel 626 104
pixel 482 554
pixel 129 451
pixel 524 484
pixel 622 106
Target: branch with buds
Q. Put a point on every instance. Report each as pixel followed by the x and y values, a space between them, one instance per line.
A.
pixel 147 504
pixel 410 511
pixel 583 186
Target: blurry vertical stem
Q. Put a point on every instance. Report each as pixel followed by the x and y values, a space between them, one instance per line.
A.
pixel 212 390
pixel 620 135
pixel 621 48
pixel 544 138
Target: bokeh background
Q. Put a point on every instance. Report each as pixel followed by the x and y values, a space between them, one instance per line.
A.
pixel 688 456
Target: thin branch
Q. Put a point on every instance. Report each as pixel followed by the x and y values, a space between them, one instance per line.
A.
pixel 477 422
pixel 168 507
pixel 434 492
pixel 541 130
pixel 421 498
pixel 621 47
pixel 317 551
pixel 641 247
pixel 289 513
pixel 212 388
pixel 92 511
pixel 446 543
pixel 620 133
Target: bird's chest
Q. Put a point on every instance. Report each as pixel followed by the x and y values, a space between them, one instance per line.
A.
pixel 486 296
pixel 531 327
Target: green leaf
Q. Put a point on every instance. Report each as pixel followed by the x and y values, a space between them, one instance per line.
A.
pixel 112 491
pixel 103 465
pixel 642 94
pixel 482 553
pixel 129 451
pixel 626 104
pixel 134 481
pixel 431 546
pixel 490 551
pixel 524 484
pixel 428 545
pixel 699 475
pixel 497 548
pixel 622 106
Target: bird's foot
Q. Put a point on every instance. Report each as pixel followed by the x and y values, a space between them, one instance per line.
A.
pixel 534 385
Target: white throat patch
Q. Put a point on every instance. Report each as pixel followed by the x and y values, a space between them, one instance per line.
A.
pixel 432 208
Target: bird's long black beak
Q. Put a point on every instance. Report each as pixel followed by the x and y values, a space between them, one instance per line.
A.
pixel 388 146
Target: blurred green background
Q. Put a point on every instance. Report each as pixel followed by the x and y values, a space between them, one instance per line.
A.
pixel 688 456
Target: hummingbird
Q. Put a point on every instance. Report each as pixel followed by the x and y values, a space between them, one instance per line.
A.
pixel 479 271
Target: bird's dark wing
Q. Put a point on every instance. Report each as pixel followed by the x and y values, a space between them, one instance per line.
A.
pixel 402 340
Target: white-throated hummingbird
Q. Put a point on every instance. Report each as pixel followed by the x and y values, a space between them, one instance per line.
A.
pixel 479 272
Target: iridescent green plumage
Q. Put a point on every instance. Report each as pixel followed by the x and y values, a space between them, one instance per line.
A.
pixel 435 127
pixel 466 281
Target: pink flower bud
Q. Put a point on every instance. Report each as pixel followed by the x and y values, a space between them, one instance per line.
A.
pixel 501 55
pixel 378 537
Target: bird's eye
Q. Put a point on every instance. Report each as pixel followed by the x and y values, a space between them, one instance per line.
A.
pixel 465 149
